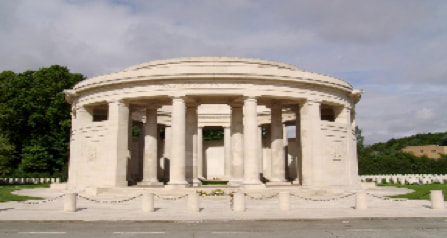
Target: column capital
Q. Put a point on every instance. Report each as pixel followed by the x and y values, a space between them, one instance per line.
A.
pixel 153 107
pixel 309 101
pixel 236 103
pixel 117 101
pixel 250 98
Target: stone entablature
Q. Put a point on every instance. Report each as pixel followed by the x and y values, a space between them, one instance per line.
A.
pixel 172 101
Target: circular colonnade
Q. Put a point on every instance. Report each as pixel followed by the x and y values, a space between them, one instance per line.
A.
pixel 144 126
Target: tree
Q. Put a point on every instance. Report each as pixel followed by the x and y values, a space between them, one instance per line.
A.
pixel 35 117
pixel 360 139
pixel 6 156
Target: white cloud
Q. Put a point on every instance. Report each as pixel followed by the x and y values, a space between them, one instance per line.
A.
pixel 394 50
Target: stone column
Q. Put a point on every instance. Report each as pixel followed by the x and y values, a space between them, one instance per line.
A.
pixel 150 148
pixel 251 165
pixel 79 118
pixel 267 158
pixel 200 152
pixel 177 162
pixel 298 162
pixel 191 144
pixel 227 153
pixel 260 152
pixel 167 154
pixel 352 160
pixel 117 145
pixel 310 142
pixel 237 143
pixel 277 146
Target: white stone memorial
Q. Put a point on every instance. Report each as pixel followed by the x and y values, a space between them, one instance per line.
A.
pixel 172 102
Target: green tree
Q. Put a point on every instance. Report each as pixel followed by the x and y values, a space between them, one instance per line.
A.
pixel 6 156
pixel 36 118
pixel 360 139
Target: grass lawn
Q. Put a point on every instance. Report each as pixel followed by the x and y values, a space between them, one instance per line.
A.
pixel 6 195
pixel 422 192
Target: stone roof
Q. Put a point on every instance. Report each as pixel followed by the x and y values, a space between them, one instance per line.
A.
pixel 212 68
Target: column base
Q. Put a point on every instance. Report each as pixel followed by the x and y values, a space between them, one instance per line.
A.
pixel 297 182
pixel 175 185
pixel 150 183
pixel 196 183
pixel 253 185
pixel 279 183
pixel 235 182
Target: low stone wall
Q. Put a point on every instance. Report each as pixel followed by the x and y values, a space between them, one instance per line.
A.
pixel 405 178
pixel 28 180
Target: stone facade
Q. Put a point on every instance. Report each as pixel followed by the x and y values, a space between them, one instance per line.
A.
pixel 172 101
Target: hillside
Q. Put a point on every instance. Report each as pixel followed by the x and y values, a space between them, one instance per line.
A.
pixel 387 157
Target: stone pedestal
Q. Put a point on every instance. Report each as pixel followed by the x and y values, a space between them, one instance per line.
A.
pixel 70 202
pixel 148 202
pixel 193 202
pixel 360 201
pixel 284 201
pixel 239 202
pixel 437 199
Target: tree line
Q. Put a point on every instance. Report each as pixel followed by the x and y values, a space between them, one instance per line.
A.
pixel 35 121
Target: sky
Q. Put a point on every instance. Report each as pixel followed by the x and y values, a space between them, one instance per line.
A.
pixel 393 50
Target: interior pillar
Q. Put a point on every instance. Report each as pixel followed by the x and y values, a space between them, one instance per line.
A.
pixel 298 161
pixel 237 143
pixel 227 152
pixel 150 155
pixel 278 175
pixel 191 144
pixel 200 152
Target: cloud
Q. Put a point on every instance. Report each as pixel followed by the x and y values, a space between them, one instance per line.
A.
pixel 394 50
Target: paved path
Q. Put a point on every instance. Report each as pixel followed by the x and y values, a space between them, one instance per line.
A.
pixel 259 229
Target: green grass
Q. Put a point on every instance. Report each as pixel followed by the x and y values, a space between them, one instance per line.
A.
pixel 6 192
pixel 422 192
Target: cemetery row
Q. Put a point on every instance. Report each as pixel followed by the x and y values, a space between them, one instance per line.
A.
pixel 405 178
pixel 29 180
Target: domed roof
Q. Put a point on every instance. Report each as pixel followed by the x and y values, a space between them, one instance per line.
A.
pixel 212 62
pixel 212 68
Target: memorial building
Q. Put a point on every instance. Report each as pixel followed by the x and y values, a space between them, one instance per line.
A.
pixel 143 126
